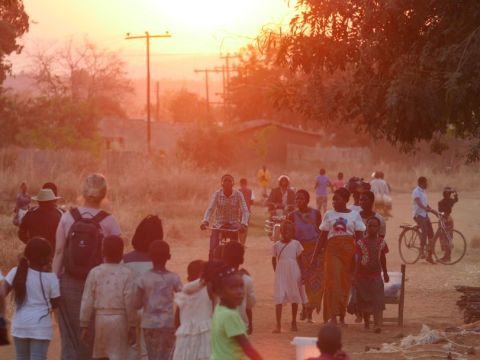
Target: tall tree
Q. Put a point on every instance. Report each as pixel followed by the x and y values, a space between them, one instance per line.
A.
pixel 413 65
pixel 13 24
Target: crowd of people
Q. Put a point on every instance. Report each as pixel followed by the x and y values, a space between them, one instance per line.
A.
pixel 115 305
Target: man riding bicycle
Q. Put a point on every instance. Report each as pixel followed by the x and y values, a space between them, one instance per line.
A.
pixel 420 215
pixel 231 213
pixel 282 197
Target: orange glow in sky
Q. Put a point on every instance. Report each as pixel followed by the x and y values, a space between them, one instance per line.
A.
pixel 198 26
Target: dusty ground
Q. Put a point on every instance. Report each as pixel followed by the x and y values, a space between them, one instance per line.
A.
pixel 430 297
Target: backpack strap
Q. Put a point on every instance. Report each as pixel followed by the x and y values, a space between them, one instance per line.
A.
pixel 75 214
pixel 100 216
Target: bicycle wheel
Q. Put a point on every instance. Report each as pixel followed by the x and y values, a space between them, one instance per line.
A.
pixel 409 245
pixel 458 247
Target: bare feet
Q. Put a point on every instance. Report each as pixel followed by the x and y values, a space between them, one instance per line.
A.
pixel 277 330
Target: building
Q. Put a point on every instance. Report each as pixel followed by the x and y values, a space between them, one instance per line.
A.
pixel 269 141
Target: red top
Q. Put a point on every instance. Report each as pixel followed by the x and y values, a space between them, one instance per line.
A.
pixel 370 251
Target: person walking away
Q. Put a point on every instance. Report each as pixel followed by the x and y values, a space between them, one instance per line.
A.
pixel 41 220
pixel 194 316
pixel 288 278
pixel 307 221
pixel 263 178
pixel 370 261
pixel 338 231
pixel 329 342
pixel 233 256
pixel 107 298
pixel 322 183
pixel 36 293
pixel 381 190
pixel 248 196
pixel 155 290
pixel 78 250
pixel 281 197
pixel 338 183
pixel 22 202
pixel 445 206
pixel 230 211
pixel 420 215
pixel 229 333
pixel 138 260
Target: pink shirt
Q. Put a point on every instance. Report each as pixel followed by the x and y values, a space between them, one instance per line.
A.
pixel 337 184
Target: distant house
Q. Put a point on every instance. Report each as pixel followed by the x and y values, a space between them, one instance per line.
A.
pixel 266 140
pixel 131 134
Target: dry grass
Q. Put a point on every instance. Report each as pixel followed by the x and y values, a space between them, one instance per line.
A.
pixel 178 192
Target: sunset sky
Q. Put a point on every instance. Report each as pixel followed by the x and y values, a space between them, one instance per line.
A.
pixel 198 27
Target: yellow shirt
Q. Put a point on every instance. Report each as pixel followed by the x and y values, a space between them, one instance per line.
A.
pixel 263 177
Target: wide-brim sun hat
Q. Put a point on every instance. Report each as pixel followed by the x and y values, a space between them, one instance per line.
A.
pixel 45 195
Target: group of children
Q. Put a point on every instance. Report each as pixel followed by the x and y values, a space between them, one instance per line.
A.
pixel 211 319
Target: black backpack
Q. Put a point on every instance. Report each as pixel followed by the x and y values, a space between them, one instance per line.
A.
pixel 84 244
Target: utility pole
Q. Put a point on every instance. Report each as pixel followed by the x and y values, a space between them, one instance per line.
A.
pixel 157 104
pixel 207 92
pixel 147 37
pixel 227 70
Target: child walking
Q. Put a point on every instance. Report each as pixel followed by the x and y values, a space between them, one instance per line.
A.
pixel 288 278
pixel 233 256
pixel 36 291
pixel 370 261
pixel 108 294
pixel 155 290
pixel 329 343
pixel 229 333
pixel 194 314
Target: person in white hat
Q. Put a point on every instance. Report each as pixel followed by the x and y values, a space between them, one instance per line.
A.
pixel 41 220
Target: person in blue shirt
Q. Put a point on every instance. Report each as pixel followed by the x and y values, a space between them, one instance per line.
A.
pixel 322 183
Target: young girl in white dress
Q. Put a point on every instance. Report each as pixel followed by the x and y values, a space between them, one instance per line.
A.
pixel 288 278
pixel 194 314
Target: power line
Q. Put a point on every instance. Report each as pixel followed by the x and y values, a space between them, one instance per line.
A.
pixel 147 37
pixel 207 94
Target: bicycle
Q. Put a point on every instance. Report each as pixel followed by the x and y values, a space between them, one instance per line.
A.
pixel 410 249
pixel 228 233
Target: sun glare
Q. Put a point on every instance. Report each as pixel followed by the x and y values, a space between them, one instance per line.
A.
pixel 211 14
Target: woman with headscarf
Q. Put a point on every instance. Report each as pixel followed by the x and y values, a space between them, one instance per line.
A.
pixel 338 231
pixel 307 220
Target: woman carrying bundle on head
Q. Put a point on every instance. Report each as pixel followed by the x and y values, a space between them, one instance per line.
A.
pixel 37 293
pixel 339 229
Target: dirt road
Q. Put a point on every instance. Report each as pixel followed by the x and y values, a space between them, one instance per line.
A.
pixel 430 297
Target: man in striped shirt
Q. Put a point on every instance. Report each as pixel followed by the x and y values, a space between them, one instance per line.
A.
pixel 230 211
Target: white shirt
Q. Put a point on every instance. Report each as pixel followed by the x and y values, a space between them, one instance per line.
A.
pixel 379 186
pixel 248 298
pixel 419 193
pixel 33 319
pixel 342 224
pixel 356 208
